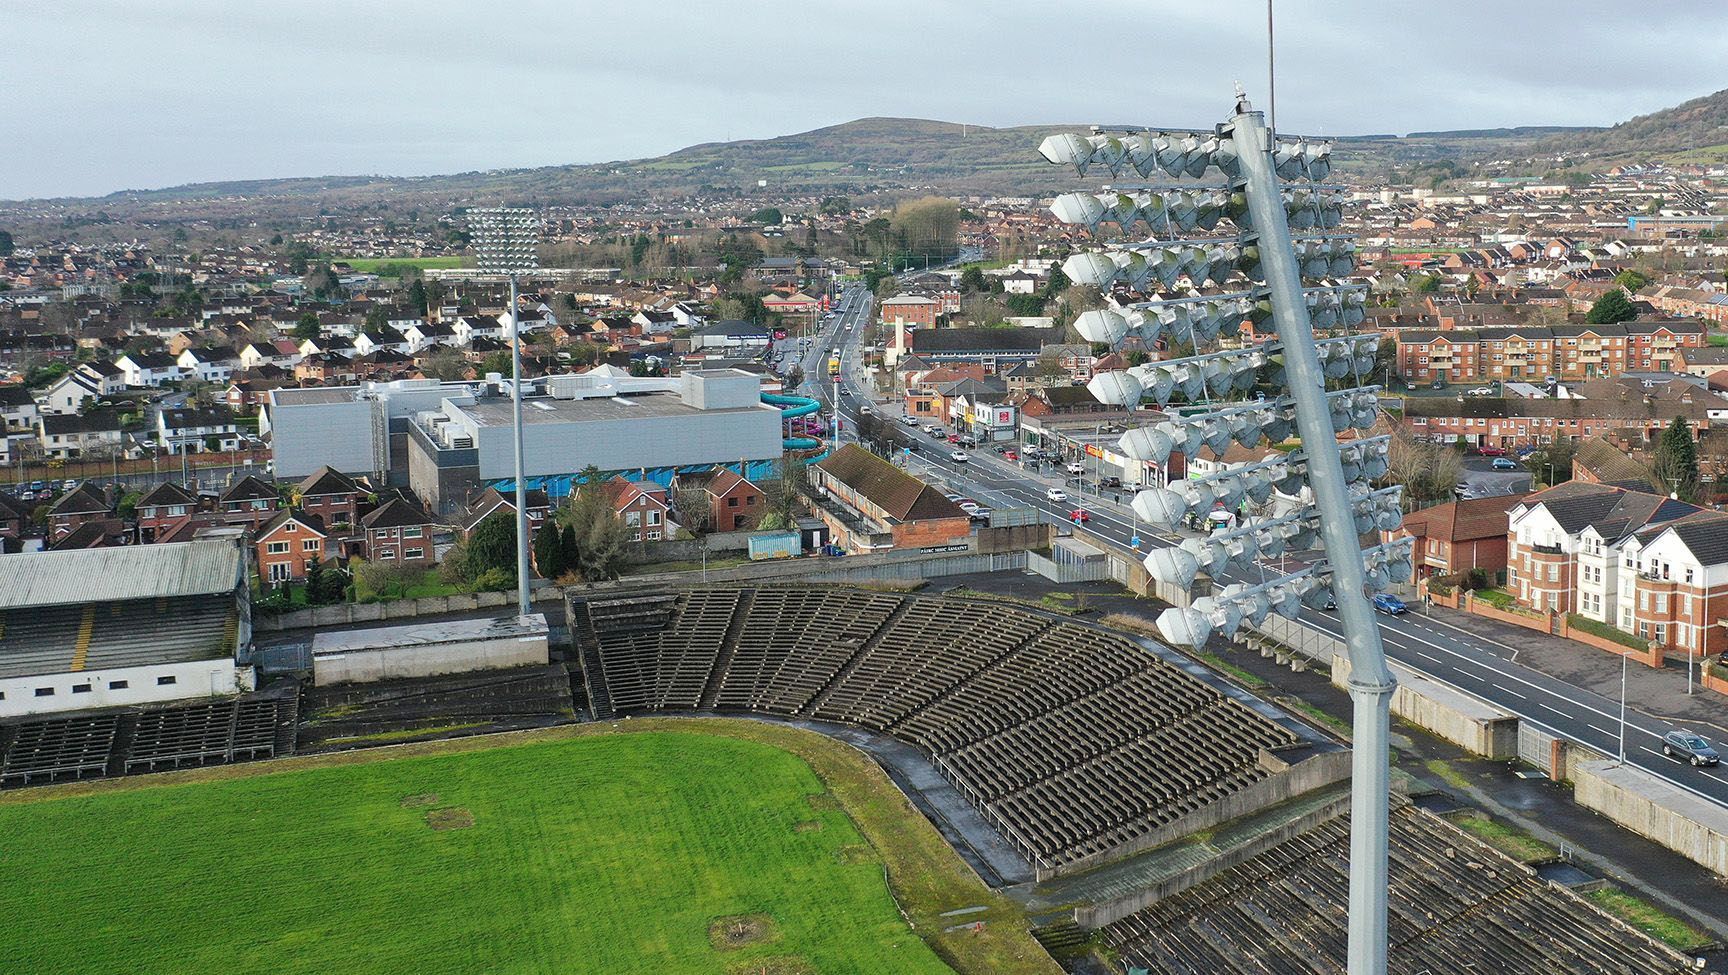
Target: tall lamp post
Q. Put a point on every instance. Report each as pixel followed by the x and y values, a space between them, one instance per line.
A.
pixel 506 242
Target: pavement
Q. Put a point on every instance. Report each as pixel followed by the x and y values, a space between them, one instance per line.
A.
pixel 1567 689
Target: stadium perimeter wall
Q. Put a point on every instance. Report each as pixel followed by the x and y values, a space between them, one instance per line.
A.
pixel 1644 803
pixel 897 567
pixel 1652 807
pixel 1460 718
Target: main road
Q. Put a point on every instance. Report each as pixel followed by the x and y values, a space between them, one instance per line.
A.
pixel 1483 667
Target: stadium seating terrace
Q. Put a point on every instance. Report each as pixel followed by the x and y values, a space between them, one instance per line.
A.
pixel 1072 741
pixel 1456 906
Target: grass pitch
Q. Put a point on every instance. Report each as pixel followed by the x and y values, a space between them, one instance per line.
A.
pixel 665 851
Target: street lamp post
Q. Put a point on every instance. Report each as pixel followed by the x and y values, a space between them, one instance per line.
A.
pixel 506 241
pixel 1624 659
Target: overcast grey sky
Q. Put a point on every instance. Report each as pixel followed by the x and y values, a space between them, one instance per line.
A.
pixel 117 94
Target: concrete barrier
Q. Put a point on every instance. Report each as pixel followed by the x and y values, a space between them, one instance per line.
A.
pixel 1285 782
pixel 1652 807
pixel 1443 710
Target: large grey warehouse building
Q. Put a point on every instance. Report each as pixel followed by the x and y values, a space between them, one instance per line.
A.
pixel 449 440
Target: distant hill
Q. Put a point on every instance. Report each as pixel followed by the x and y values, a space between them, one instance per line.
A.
pixel 892 156
pixel 1691 132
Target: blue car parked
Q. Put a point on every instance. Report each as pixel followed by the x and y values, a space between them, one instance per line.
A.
pixel 1389 604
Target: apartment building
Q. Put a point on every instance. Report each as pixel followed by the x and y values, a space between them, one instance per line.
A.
pixel 1526 353
pixel 1574 548
pixel 1673 584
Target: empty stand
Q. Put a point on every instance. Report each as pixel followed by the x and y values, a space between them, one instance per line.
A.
pixel 56 749
pixel 1071 740
pixel 34 751
pixel 1455 906
pixel 129 633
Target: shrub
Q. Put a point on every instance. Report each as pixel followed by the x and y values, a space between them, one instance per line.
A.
pixel 493 580
pixel 1597 628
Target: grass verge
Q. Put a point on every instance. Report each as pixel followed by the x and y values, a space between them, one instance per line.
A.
pixel 1648 918
pixel 1510 840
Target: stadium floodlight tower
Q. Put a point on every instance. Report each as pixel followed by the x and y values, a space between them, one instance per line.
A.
pixel 1285 274
pixel 507 242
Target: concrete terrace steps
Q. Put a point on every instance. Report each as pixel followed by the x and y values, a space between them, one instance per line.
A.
pixel 728 647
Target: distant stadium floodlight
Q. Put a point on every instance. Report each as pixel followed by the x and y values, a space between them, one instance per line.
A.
pixel 506 240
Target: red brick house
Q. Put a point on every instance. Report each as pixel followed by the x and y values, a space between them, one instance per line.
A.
pixel 287 544
pixel 734 504
pixel 84 504
pixel 490 500
pixel 1459 536
pixel 397 531
pixel 14 516
pixel 166 504
pixel 250 501
pixel 871 505
pixel 643 507
pixel 331 495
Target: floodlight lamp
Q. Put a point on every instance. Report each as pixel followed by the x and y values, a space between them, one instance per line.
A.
pixel 1108 151
pixel 1146 325
pixel 1147 444
pixel 1160 506
pixel 1140 152
pixel 1067 149
pixel 1090 268
pixel 1115 388
pixel 1083 209
pixel 1184 627
pixel 1172 566
pixel 1101 325
pixel 1287 602
pixel 1319 161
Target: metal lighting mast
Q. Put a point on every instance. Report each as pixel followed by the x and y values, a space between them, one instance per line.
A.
pixel 507 242
pixel 1370 682
pixel 1284 272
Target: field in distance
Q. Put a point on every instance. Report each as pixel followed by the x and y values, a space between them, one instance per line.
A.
pixel 645 852
pixel 386 265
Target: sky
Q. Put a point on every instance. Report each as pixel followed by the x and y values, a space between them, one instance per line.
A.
pixel 105 95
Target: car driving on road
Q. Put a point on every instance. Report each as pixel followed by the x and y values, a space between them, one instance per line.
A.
pixel 959 456
pixel 1690 746
pixel 1389 604
pixel 1056 494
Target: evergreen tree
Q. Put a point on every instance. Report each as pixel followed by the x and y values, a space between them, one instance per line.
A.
pixel 417 296
pixel 1610 308
pixel 1676 464
pixel 568 551
pixel 549 551
pixel 492 544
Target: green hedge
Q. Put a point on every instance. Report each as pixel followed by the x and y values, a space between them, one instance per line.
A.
pixel 1606 632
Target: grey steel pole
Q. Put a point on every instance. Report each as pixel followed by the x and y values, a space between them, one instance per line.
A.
pixel 516 424
pixel 1371 682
